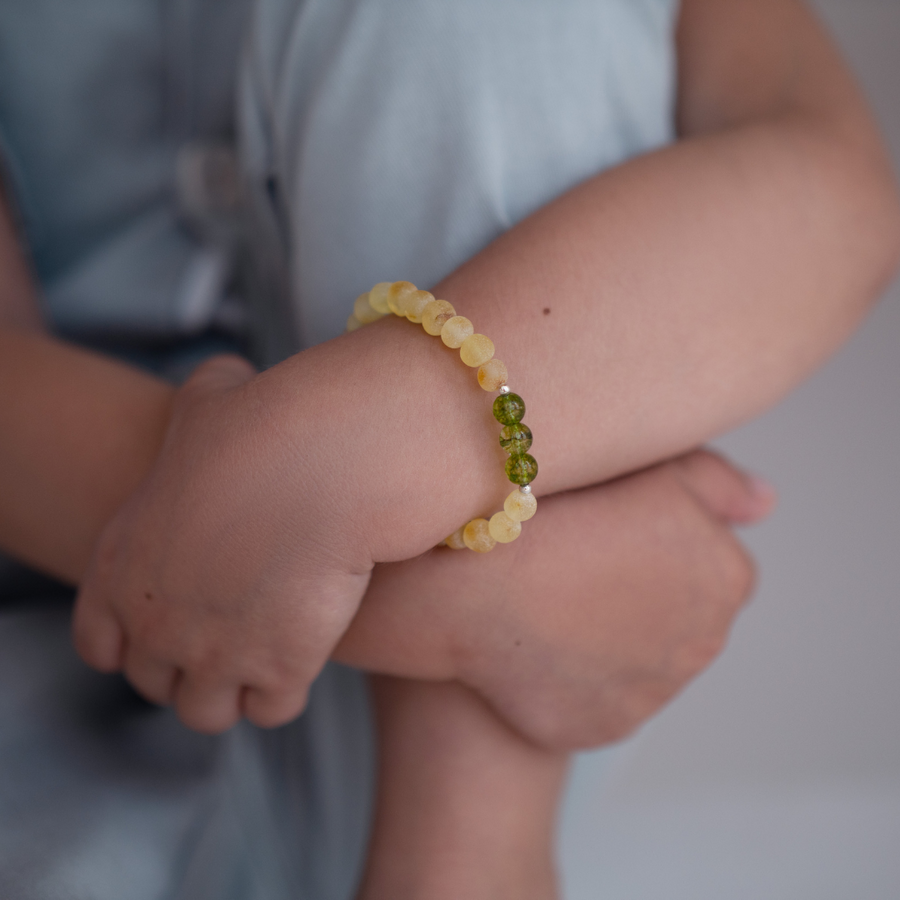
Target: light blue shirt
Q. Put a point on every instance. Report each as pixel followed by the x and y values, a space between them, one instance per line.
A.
pixel 393 139
pixel 96 99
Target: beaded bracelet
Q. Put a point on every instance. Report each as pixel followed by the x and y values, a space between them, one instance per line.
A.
pixel 438 317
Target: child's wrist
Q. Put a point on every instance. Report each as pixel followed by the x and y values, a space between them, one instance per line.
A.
pixel 396 434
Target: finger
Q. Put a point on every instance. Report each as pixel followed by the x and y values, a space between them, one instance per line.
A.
pixel 97 635
pixel 228 370
pixel 153 679
pixel 729 494
pixel 269 709
pixel 735 572
pixel 206 705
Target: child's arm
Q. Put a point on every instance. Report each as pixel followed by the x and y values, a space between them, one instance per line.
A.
pixel 684 291
pixel 626 591
pixel 78 431
pixel 465 806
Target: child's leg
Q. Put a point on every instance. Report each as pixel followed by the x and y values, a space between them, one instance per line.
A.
pixel 466 808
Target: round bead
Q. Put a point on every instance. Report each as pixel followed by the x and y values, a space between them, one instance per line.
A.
pixel 519 506
pixel 515 439
pixel 492 374
pixel 455 541
pixel 476 350
pixel 363 310
pixel 521 469
pixel 504 528
pixel 509 409
pixel 397 294
pixel 477 536
pixel 435 314
pixel 353 323
pixel 456 330
pixel 415 305
pixel 378 297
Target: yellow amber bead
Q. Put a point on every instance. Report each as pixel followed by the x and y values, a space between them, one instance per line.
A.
pixel 378 297
pixel 455 541
pixel 519 506
pixel 476 350
pixel 398 292
pixel 353 323
pixel 456 330
pixel 504 529
pixel 363 311
pixel 477 536
pixel 415 305
pixel 435 314
pixel 492 374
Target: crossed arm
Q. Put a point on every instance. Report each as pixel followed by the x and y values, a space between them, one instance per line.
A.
pixel 688 290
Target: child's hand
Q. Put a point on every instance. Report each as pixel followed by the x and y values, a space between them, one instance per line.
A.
pixel 611 602
pixel 219 586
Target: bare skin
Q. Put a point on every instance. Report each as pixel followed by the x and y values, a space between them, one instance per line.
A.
pixel 635 363
pixel 465 807
pixel 633 593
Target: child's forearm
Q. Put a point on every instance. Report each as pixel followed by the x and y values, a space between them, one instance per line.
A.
pixel 652 307
pixel 670 298
pixel 79 432
pixel 465 807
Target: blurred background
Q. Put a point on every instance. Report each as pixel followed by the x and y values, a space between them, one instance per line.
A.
pixel 777 773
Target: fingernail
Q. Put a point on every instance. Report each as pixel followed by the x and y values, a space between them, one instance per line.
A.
pixel 763 493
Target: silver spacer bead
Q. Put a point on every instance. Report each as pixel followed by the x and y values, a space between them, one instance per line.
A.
pixel 504 388
pixel 525 489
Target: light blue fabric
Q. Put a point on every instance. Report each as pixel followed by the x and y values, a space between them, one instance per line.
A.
pixel 104 797
pixel 394 139
pixel 96 98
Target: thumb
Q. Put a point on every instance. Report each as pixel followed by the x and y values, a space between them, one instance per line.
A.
pixel 731 495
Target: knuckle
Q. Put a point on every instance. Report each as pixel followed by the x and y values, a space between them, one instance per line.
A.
pixel 193 652
pixel 103 562
pixel 740 575
pixel 94 651
pixel 699 655
pixel 547 723
pixel 267 710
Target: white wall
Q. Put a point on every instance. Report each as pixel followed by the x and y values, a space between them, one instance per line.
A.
pixel 777 774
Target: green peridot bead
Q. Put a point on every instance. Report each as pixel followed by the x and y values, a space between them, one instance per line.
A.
pixel 515 439
pixel 521 469
pixel 509 409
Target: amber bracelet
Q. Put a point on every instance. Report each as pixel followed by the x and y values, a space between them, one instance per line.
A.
pixel 438 317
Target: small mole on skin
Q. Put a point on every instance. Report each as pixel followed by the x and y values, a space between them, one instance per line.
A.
pixel 148 596
pixel 546 310
pixel 518 643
